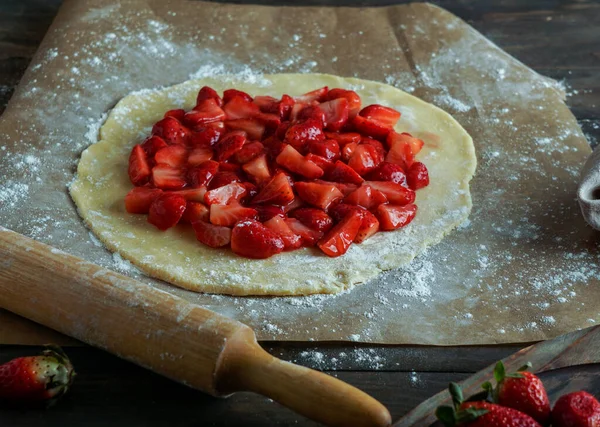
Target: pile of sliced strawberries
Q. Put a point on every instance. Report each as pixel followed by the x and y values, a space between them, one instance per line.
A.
pixel 267 175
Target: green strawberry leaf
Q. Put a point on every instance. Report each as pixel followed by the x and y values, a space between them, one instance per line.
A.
pixel 446 415
pixel 524 367
pixel 469 414
pixel 499 372
pixel 456 394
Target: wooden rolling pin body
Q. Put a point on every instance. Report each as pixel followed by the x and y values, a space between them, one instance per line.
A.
pixel 165 333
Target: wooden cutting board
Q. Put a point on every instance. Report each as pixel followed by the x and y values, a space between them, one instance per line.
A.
pixel 568 363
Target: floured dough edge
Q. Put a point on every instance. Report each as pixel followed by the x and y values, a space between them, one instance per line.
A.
pixel 175 256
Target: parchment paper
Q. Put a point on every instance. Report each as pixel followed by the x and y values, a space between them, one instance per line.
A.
pixel 524 267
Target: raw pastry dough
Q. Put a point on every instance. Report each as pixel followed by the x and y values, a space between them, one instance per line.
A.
pixel 176 257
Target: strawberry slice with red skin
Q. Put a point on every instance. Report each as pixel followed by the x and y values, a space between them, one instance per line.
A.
pixel 370 127
pixel 230 144
pixel 354 101
pixel 337 240
pixel 344 187
pixel 253 128
pixel 202 174
pixel 295 111
pixel 139 168
pixel 309 236
pixel 174 155
pixel 207 92
pixel 166 211
pixel 139 199
pixel 313 218
pixel 278 191
pixel 365 159
pixel 249 151
pixel 324 164
pixel 311 112
pixel 207 111
pixel 319 195
pixel 293 205
pixel 153 144
pixel 222 178
pixel 366 197
pixel 388 172
pixel 417 176
pixel 385 115
pixel 215 236
pixel 194 212
pixel 199 155
pixel 341 172
pixel 300 134
pixel 379 148
pixel 171 131
pixel 314 95
pixel 285 107
pixel 258 168
pixel 207 136
pixel 168 178
pixel 392 217
pixel 225 195
pixel 348 151
pixel 328 148
pixel 403 148
pixel 266 212
pixel 295 162
pixel 344 138
pixel 267 104
pixel 270 121
pixel 416 144
pixel 252 239
pixel 336 113
pixel 228 215
pixel 177 114
pixel 395 193
pixel 240 108
pixel 227 166
pixel 229 94
pixel 290 239
pixel 368 227
pixel 192 194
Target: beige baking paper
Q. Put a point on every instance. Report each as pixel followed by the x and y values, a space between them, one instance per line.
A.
pixel 524 266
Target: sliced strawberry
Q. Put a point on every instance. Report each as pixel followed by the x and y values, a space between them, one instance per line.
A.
pixel 348 151
pixel 139 199
pixel 388 172
pixel 285 107
pixel 392 217
pixel 208 93
pixel 258 169
pixel 323 163
pixel 227 166
pixel 290 239
pixel 395 193
pixel 312 112
pixel 365 159
pixel 226 194
pixel 229 94
pixel 314 95
pixel 370 127
pixel 379 148
pixel 166 211
pixel 172 131
pixel 222 178
pixel 313 218
pixel 336 113
pixel 230 144
pixel 278 191
pixel 415 144
pixel 215 236
pixel 177 114
pixel 251 191
pixel 167 177
pixel 385 115
pixel 354 102
pixel 202 174
pixel 195 211
pixel 319 195
pixel 270 121
pixel 300 134
pixel 366 197
pixel 345 188
pixel 368 227
pixel 249 151
pixel 153 144
pixel 228 215
pixel 139 169
pixel 417 176
pixel 309 236
pixel 173 155
pixel 207 111
pixel 295 162
pixel 240 108
pixel 341 210
pixel 253 128
pixel 199 155
pixel 192 194
pixel 337 240
pixel 293 205
pixel 267 104
pixel 401 149
pixel 266 212
pixel 253 240
pixel 344 138
pixel 207 136
pixel 344 173
pixel 296 109
pixel 328 148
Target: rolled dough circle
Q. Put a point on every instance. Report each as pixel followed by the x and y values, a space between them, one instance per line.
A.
pixel 177 257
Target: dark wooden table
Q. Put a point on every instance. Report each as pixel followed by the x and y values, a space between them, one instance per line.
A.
pixel 558 38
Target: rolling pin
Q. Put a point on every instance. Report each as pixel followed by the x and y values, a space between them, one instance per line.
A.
pixel 166 334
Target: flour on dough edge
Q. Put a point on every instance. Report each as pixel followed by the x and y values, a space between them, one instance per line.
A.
pixel 278 275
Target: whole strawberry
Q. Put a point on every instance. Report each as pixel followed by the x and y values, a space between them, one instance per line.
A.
pixel 579 409
pixel 522 391
pixel 36 379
